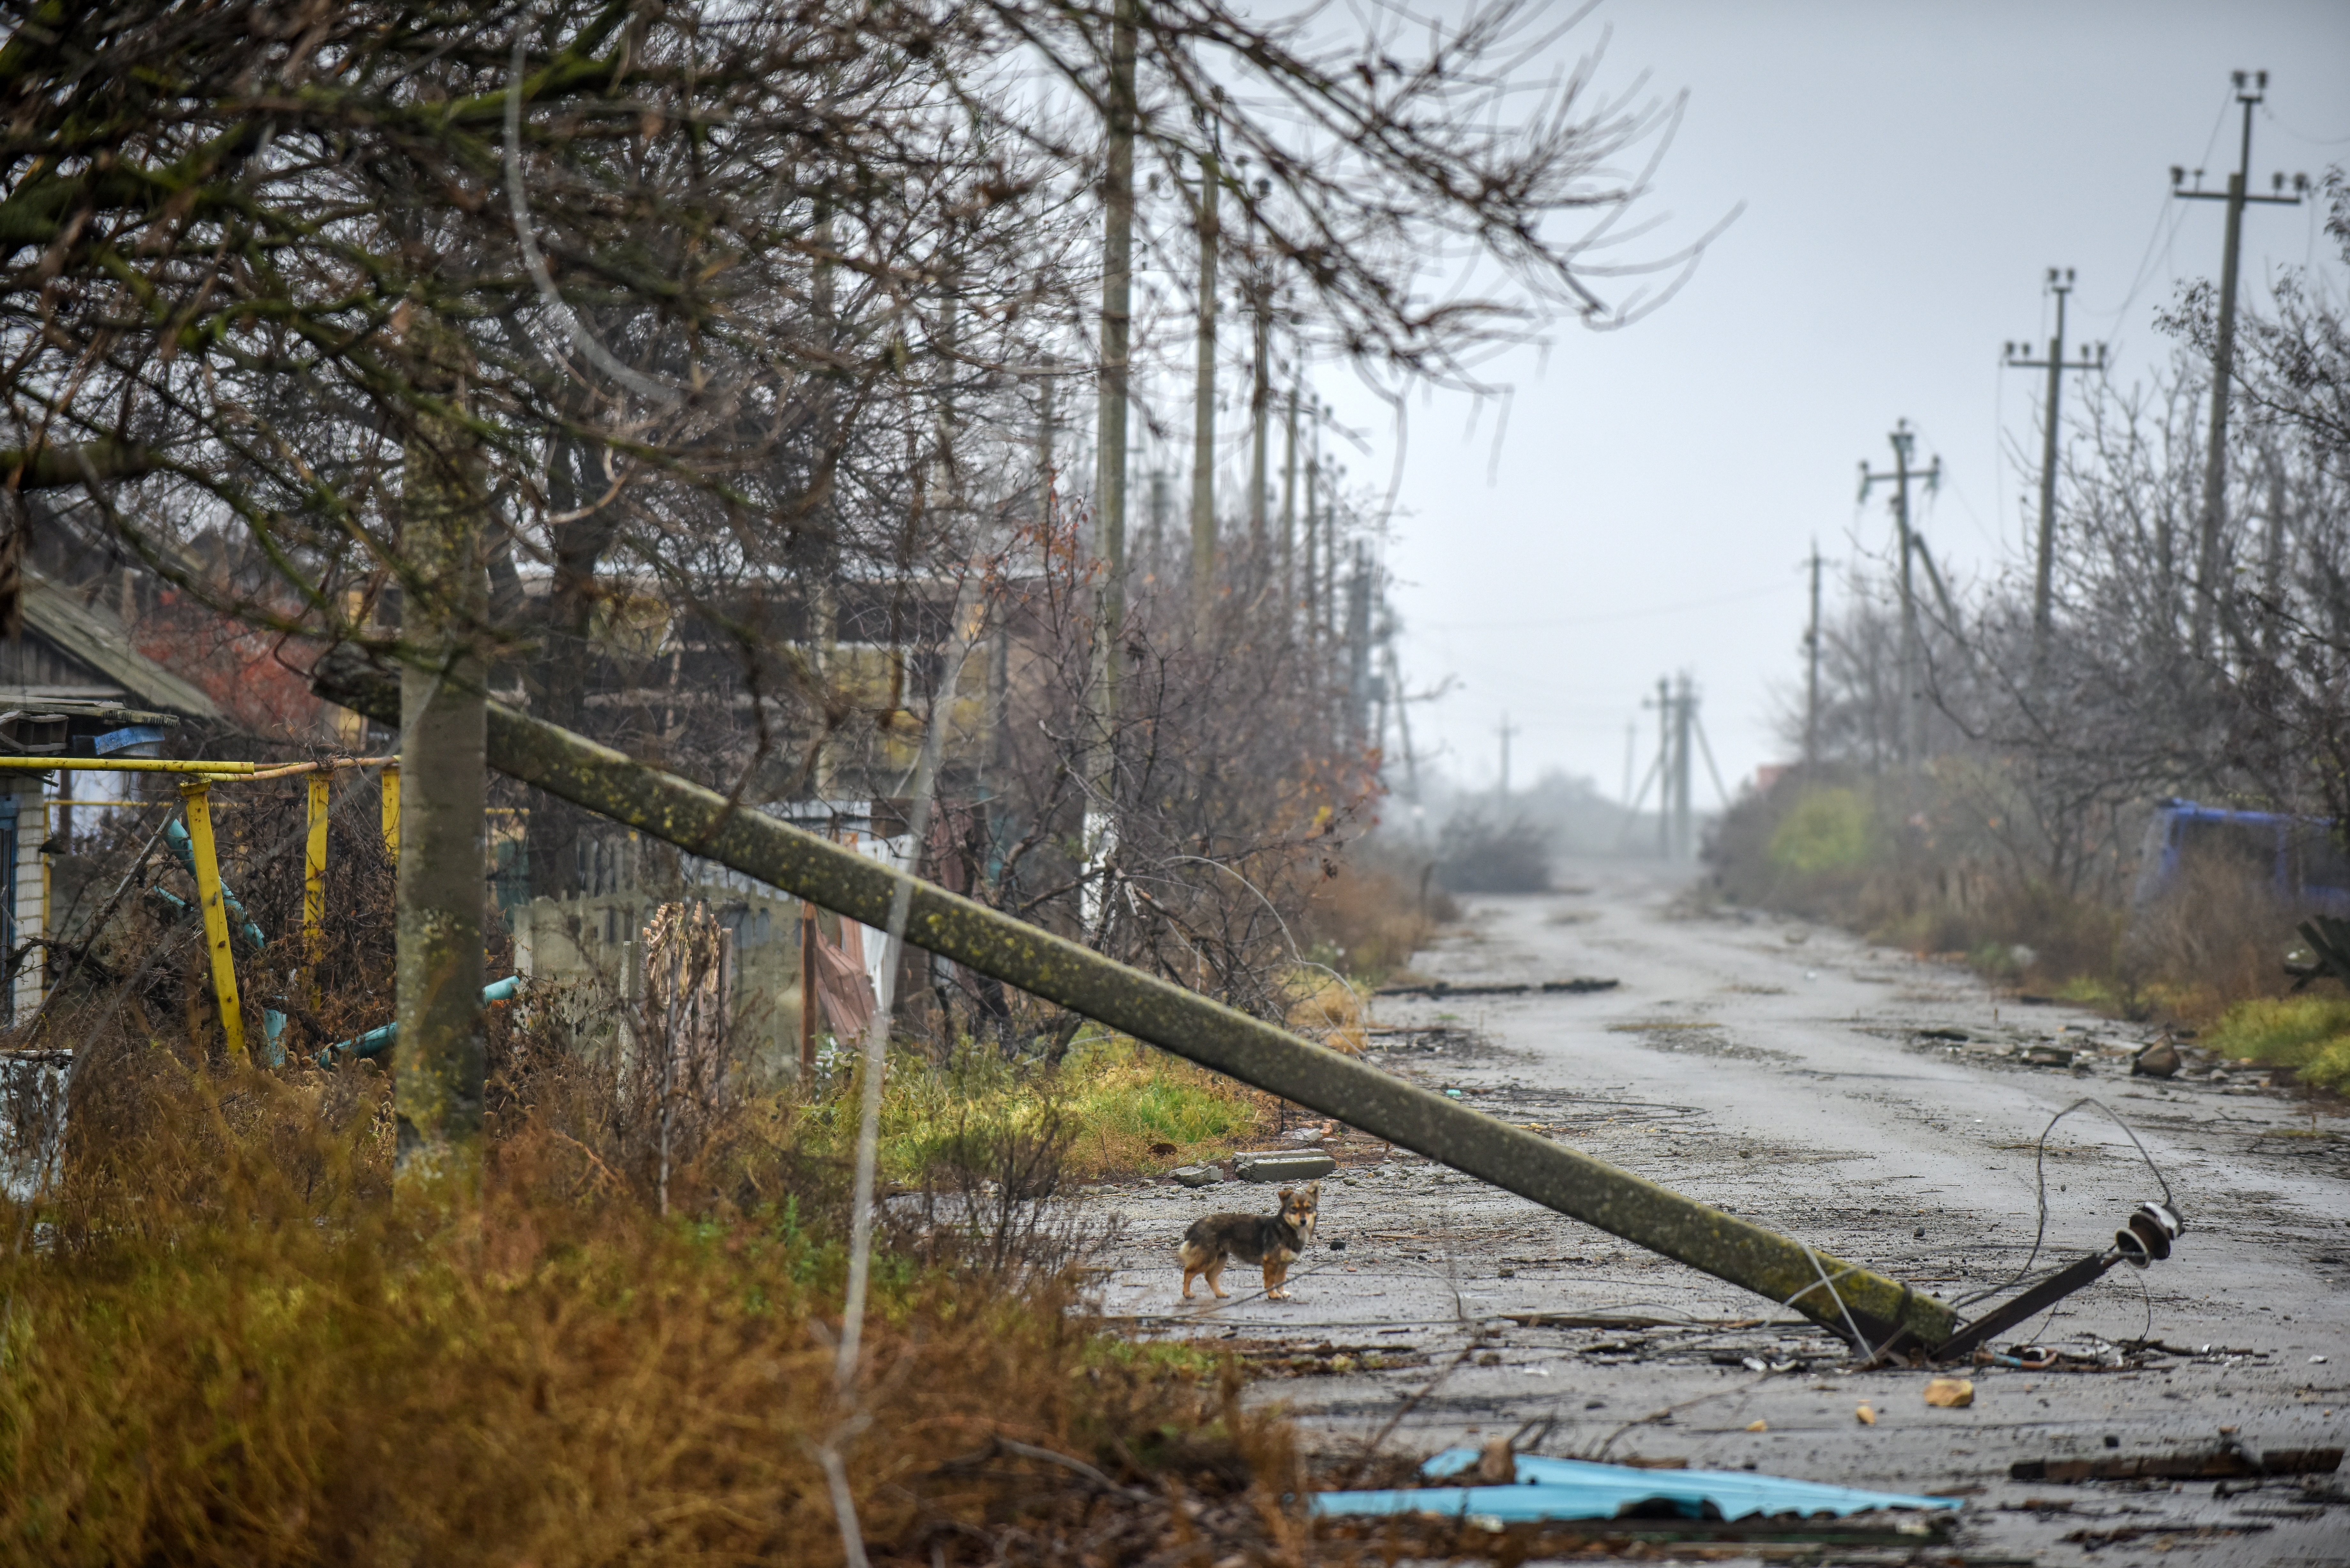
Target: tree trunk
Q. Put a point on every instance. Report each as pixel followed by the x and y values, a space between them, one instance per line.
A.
pixel 439 1068
pixel 559 681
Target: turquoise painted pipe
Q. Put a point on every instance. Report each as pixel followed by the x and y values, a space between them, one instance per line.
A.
pixel 176 836
pixel 375 1042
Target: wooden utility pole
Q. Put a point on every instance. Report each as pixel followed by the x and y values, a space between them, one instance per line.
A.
pixel 1203 408
pixel 1506 731
pixel 2059 283
pixel 1913 648
pixel 2209 578
pixel 1812 675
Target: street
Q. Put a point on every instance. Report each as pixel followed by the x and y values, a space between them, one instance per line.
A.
pixel 1778 1069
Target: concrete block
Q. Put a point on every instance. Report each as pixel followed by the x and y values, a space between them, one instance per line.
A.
pixel 1302 1166
pixel 1197 1175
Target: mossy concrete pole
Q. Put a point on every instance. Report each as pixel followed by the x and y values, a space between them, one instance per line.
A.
pixel 1204 407
pixel 438 1072
pixel 700 821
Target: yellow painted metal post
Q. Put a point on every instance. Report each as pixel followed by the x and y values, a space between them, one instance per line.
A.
pixel 391 809
pixel 198 796
pixel 314 879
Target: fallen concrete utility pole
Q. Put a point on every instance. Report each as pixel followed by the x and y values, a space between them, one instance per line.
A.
pixel 1845 1298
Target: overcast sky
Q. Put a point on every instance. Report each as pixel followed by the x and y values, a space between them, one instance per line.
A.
pixel 1909 173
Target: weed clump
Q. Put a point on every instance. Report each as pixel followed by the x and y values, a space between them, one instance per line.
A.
pixel 2310 1035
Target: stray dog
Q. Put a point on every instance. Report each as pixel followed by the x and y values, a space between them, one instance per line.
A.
pixel 1272 1240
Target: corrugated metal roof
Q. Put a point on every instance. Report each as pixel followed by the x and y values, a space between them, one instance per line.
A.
pixel 99 640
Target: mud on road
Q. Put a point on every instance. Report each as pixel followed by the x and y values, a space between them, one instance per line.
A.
pixel 1876 1105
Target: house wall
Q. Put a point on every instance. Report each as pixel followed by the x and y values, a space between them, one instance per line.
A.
pixel 28 896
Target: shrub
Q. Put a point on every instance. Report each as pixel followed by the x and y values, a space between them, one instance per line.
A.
pixel 1826 832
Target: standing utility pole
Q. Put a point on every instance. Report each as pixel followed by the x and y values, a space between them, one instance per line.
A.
pixel 1260 420
pixel 1358 642
pixel 1507 729
pixel 1913 653
pixel 2223 348
pixel 2059 283
pixel 1313 523
pixel 1684 714
pixel 1203 408
pixel 1664 706
pixel 1289 506
pixel 1111 410
pixel 1116 330
pixel 1812 676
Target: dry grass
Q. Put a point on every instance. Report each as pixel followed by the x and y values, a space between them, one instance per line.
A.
pixel 1371 912
pixel 227 1342
pixel 1327 1010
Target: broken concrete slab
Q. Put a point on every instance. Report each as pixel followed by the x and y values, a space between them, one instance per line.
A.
pixel 1302 1166
pixel 1197 1175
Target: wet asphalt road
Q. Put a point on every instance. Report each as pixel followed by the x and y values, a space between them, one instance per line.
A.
pixel 1778 1069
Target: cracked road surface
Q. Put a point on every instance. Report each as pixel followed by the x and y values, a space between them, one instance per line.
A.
pixel 1779 1070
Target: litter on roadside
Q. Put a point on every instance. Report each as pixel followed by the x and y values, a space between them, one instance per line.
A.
pixel 1579 1489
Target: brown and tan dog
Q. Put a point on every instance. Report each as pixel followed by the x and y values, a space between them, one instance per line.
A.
pixel 1271 1241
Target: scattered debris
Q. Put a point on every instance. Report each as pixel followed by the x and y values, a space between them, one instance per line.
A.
pixel 2226 1463
pixel 1951 1393
pixel 1436 991
pixel 1197 1175
pixel 1757 1426
pixel 1497 1466
pixel 1946 1031
pixel 2045 1056
pixel 1865 1414
pixel 2159 1060
pixel 1302 1165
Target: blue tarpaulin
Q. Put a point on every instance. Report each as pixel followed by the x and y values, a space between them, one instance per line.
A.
pixel 1577 1489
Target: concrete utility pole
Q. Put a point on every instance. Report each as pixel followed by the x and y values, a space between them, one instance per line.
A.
pixel 1117 333
pixel 2207 575
pixel 1113 402
pixel 1913 648
pixel 1664 706
pixel 2059 283
pixel 1684 713
pixel 1506 731
pixel 1289 503
pixel 1812 674
pixel 1260 418
pixel 1359 641
pixel 1203 408
pixel 1313 523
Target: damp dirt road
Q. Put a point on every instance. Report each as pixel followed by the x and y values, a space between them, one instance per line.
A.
pixel 1785 1071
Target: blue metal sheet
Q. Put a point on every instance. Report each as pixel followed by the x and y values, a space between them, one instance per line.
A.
pixel 1577 1489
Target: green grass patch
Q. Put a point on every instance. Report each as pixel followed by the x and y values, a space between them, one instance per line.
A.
pixel 2310 1035
pixel 1113 1102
